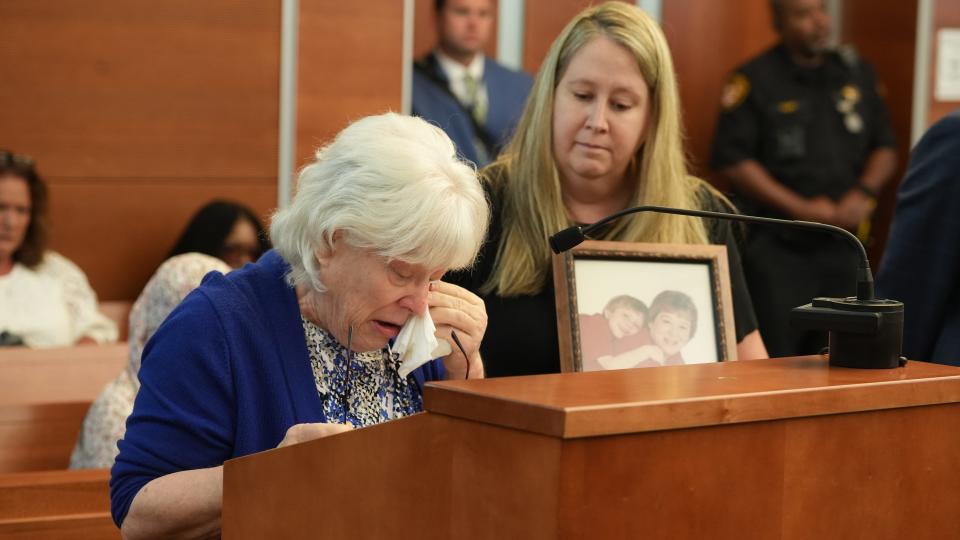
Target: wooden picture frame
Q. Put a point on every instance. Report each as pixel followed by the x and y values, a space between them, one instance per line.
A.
pixel 606 293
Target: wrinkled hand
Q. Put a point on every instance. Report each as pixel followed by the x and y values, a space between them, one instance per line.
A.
pixel 300 433
pixel 854 207
pixel 455 308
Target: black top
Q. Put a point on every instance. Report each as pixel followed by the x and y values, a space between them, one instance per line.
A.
pixel 811 128
pixel 522 337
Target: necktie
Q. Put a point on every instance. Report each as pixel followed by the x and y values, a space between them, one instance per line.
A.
pixel 477 109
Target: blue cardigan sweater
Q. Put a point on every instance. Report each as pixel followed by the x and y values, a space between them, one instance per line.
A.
pixel 225 375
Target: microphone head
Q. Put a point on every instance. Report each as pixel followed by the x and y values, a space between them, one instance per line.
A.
pixel 568 238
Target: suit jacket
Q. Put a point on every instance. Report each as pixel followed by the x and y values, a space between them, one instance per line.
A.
pixel 921 264
pixel 506 91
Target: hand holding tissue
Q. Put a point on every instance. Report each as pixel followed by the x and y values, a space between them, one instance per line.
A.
pixel 417 343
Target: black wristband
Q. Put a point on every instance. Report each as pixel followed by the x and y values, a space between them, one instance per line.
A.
pixel 866 190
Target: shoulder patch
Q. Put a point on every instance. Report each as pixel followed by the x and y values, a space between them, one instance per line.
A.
pixel 735 91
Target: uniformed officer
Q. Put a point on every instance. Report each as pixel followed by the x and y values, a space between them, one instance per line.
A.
pixel 804 134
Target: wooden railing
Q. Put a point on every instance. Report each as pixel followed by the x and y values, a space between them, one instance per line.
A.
pixel 44 395
pixel 56 505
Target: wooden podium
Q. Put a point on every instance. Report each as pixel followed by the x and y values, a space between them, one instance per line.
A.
pixel 787 448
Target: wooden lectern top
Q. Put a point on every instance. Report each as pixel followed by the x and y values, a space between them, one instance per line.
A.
pixel 628 401
pixel 789 448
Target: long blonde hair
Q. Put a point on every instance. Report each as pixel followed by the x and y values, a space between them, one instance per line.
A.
pixel 526 175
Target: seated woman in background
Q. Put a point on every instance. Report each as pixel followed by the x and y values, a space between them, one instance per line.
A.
pixel 227 230
pixel 299 345
pixel 106 420
pixel 601 132
pixel 45 300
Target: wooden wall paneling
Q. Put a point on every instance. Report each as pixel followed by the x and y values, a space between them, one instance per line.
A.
pixel 140 89
pixel 708 40
pixel 135 110
pixel 946 14
pixel 350 66
pixel 885 34
pixel 542 22
pixel 425 29
pixel 119 232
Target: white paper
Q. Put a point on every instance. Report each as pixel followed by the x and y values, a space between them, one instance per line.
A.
pixel 417 343
pixel 948 65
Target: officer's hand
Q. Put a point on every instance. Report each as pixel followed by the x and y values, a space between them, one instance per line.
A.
pixel 854 207
pixel 820 209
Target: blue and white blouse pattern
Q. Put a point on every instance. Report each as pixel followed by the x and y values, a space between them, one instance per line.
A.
pixel 375 391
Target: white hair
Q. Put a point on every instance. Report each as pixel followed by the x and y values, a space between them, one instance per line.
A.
pixel 389 183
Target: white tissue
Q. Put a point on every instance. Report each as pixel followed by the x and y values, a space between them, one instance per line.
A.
pixel 417 343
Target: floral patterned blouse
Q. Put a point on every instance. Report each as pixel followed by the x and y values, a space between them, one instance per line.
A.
pixel 370 392
pixel 106 419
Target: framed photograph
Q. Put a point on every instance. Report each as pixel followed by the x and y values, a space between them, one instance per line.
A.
pixel 624 305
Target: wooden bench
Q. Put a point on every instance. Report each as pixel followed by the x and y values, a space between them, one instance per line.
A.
pixel 61 375
pixel 56 505
pixel 44 396
pixel 119 312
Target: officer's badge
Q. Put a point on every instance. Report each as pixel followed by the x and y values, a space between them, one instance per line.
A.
pixel 735 92
pixel 787 107
pixel 850 93
pixel 847 106
pixel 854 122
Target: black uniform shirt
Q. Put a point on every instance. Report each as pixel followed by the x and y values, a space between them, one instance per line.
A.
pixel 811 128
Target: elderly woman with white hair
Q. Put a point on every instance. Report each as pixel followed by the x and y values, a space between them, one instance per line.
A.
pixel 299 345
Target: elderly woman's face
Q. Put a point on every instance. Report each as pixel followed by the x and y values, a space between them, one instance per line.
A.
pixel 600 112
pixel 14 214
pixel 374 295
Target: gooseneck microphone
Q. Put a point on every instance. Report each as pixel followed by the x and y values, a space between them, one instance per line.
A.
pixel 864 332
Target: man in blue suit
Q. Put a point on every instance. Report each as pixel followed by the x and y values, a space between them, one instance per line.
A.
pixel 473 98
pixel 921 263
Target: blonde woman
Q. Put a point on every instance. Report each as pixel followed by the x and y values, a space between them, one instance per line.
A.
pixel 601 132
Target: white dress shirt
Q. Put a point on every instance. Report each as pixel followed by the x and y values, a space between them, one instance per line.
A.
pixel 456 75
